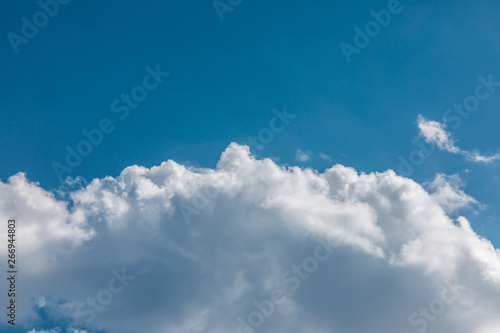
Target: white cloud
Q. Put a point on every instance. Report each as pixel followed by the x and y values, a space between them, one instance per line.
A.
pixel 43 222
pixel 435 132
pixel 252 221
pixel 302 156
pixel 41 302
pixel 447 192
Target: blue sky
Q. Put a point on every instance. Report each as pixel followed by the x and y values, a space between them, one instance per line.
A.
pixel 226 77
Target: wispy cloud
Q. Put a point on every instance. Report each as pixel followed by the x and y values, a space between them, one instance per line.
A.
pixel 325 156
pixel 302 156
pixel 435 132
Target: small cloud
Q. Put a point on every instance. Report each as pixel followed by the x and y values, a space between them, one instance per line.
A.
pixel 275 159
pixel 41 302
pixel 325 156
pixel 302 156
pixel 435 132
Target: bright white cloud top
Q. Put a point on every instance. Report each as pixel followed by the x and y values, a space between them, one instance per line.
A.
pixel 266 249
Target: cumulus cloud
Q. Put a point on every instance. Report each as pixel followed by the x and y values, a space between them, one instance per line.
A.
pixel 435 132
pixel 349 252
pixel 38 213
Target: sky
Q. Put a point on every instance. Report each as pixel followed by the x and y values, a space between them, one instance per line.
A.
pixel 208 147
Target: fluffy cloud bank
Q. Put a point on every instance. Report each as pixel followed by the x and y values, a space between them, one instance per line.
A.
pixel 251 246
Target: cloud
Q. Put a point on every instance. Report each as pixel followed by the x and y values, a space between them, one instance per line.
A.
pixel 59 330
pixel 256 227
pixel 447 192
pixel 325 156
pixel 37 213
pixel 302 156
pixel 41 302
pixel 435 132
